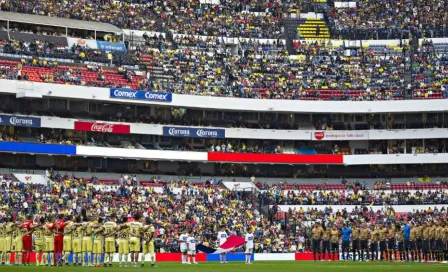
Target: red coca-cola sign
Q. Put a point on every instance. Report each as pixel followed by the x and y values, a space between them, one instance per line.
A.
pixel 103 127
pixel 319 135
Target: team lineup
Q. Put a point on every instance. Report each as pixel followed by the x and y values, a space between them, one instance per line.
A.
pixel 94 242
pixel 415 241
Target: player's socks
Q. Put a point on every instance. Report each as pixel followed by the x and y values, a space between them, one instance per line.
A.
pixel 8 258
pixel 153 258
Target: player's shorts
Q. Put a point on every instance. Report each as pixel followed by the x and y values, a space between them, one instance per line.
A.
pixel 134 244
pixel 355 244
pixel 123 246
pixel 374 246
pixel 27 242
pixel 345 244
pixel 334 247
pixel 77 245
pixel 2 245
pixel 97 247
pixel 17 245
pixel 391 245
pixel 39 246
pixel 67 245
pixel 419 244
pixel 193 252
pixel 363 244
pixel 148 247
pixel 316 244
pixel 326 246
pixel 445 245
pixel 432 244
pixel 383 245
pixel 426 245
pixel 439 244
pixel 412 245
pixel 109 246
pixel 400 245
pixel 49 244
pixel 87 244
pixel 59 243
pixel 8 244
pixel 249 250
pixel 183 248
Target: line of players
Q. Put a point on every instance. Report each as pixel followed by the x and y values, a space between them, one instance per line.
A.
pixel 415 241
pixel 55 240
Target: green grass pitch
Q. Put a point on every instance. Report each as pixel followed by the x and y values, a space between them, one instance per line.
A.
pixel 260 266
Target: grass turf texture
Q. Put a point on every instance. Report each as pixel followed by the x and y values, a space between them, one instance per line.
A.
pixel 260 266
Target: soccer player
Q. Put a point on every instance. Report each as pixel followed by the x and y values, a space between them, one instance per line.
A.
pixel 123 242
pixel 58 229
pixel 49 241
pixel 316 233
pixel 27 239
pixel 383 244
pixel 222 238
pixel 413 242
pixel 346 234
pixel 249 245
pixel 39 241
pixel 2 242
pixel 98 242
pixel 391 243
pixel 326 234
pixel 419 241
pixel 148 242
pixel 356 232
pixel 432 241
pixel 406 238
pixel 135 229
pixel 364 236
pixel 445 241
pixel 425 236
pixel 9 239
pixel 109 230
pixel 183 245
pixel 68 226
pixel 17 244
pixel 439 241
pixel 334 242
pixel 87 242
pixel 373 243
pixel 192 249
pixel 77 242
pixel 400 238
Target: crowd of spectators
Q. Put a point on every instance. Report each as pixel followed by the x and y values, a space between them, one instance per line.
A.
pixel 229 18
pixel 394 19
pixel 178 204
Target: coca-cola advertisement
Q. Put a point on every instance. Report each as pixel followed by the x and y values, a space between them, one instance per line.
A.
pixel 103 127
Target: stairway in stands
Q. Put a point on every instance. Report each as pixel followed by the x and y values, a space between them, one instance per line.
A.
pixel 307 29
pixel 290 33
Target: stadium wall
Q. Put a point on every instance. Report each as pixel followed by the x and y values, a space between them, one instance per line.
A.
pixel 34 89
pixel 166 155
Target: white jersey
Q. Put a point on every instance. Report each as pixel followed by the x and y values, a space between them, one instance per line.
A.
pixel 191 243
pixel 183 241
pixel 249 240
pixel 222 237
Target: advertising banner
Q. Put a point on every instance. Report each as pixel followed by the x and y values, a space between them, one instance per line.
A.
pixel 335 135
pixel 194 132
pixel 103 127
pixel 140 95
pixel 82 42
pixel 111 46
pixel 275 158
pixel 19 121
pixel 37 148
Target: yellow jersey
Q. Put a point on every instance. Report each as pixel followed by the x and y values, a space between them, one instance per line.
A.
pixel 99 236
pixel 39 235
pixel 123 234
pixel 68 230
pixel 48 231
pixel 147 234
pixel 2 231
pixel 88 229
pixel 135 229
pixel 109 227
pixel 77 233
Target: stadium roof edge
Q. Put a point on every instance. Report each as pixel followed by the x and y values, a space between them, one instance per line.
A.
pixel 59 22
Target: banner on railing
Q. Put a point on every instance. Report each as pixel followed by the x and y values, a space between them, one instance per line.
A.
pixel 188 132
pixel 103 127
pixel 335 135
pixel 19 121
pixel 140 95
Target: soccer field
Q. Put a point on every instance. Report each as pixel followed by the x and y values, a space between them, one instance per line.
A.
pixel 255 267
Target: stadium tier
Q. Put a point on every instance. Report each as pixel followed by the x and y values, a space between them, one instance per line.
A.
pixel 138 132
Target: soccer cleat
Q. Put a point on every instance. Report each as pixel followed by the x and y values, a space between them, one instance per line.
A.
pixel 195 263
pixel 142 265
pixel 153 265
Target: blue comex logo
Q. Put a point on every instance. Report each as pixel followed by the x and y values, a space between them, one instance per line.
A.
pixel 141 95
